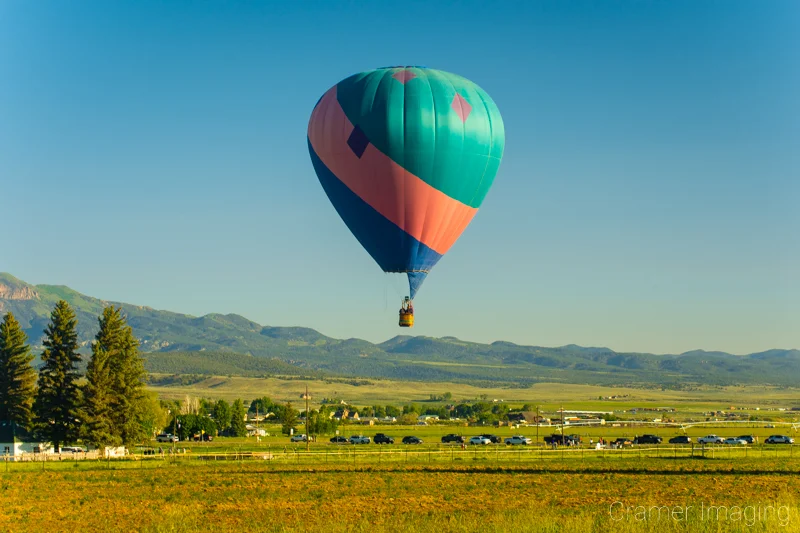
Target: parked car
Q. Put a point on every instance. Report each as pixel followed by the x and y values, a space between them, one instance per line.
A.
pixel 452 437
pixel 680 439
pixel 72 449
pixel 747 438
pixel 647 439
pixel 166 437
pixel 205 437
pixel 359 439
pixel 710 439
pixel 622 442
pixel 412 440
pixel 479 439
pixel 301 438
pixel 779 439
pixel 518 440
pixel 338 439
pixel 380 438
pixel 734 441
pixel 494 439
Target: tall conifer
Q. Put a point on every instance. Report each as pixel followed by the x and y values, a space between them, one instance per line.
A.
pixel 115 393
pixel 17 376
pixel 57 400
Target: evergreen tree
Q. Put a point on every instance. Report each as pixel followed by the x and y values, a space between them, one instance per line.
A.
pixel 116 403
pixel 96 412
pixel 288 418
pixel 127 368
pixel 57 400
pixel 238 425
pixel 17 376
pixel 222 415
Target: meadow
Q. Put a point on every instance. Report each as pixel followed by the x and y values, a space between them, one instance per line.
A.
pixel 549 395
pixel 563 494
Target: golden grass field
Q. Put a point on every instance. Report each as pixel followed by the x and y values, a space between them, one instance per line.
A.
pixel 555 496
pixel 430 487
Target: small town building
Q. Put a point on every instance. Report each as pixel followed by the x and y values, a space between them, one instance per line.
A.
pixel 15 442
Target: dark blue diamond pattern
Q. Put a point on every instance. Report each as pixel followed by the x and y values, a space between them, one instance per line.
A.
pixel 358 141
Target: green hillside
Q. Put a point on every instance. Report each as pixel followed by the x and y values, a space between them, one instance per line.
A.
pixel 231 344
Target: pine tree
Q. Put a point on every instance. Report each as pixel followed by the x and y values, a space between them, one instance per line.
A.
pixel 238 425
pixel 17 376
pixel 127 369
pixel 115 405
pixel 57 400
pixel 96 413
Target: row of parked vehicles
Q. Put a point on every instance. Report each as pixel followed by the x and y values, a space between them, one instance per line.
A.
pixel 553 440
pixel 452 438
pixel 379 438
pixel 708 439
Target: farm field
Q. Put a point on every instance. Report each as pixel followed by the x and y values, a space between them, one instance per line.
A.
pixel 556 495
pixel 549 395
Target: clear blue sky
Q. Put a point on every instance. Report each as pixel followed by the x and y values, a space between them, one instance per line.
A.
pixel 155 153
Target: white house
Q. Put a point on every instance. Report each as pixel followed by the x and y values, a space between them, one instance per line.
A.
pixel 253 431
pixel 15 441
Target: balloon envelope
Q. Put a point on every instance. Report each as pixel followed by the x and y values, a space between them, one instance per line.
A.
pixel 406 155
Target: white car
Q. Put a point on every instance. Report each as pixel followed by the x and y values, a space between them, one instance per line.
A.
pixel 300 438
pixel 518 439
pixel 710 439
pixel 359 439
pixel 479 440
pixel 735 441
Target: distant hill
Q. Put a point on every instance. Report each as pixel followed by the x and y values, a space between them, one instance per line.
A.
pixel 231 344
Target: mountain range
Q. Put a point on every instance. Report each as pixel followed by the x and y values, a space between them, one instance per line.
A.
pixel 175 343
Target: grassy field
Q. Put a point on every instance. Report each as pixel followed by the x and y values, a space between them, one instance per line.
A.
pixel 623 495
pixel 271 484
pixel 548 395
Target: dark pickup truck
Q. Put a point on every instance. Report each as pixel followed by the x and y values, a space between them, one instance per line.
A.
pixel 647 439
pixel 380 438
pixel 452 437
pixel 562 440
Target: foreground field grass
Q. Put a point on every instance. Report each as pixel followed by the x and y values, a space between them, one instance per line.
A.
pixel 259 496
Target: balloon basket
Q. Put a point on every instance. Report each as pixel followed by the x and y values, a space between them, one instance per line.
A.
pixel 406 314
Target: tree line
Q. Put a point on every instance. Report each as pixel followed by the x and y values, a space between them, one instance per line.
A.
pixel 108 406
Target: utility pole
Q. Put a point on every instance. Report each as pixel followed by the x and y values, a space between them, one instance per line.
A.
pixel 537 425
pixel 308 437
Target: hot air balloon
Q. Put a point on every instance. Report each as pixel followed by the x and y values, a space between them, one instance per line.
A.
pixel 406 155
